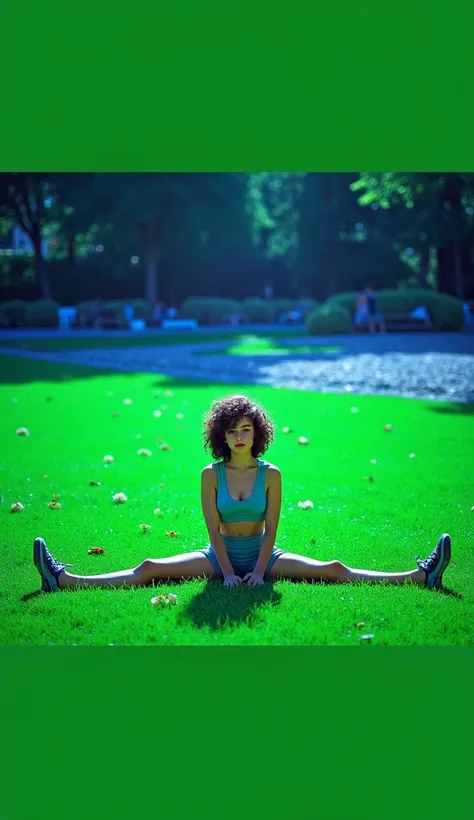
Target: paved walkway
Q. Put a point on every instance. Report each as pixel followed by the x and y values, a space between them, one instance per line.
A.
pixel 56 333
pixel 437 366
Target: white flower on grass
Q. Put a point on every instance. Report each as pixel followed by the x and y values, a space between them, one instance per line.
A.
pixel 286 430
pixel 306 505
pixel 373 461
pixel 23 431
pixel 108 459
pixel 180 416
pixel 157 414
pixel 303 440
pixel 412 455
pixel 17 507
pixel 165 446
pixel 120 498
pixel 354 409
pixel 128 401
pixel 165 600
pixel 144 452
pixel 158 512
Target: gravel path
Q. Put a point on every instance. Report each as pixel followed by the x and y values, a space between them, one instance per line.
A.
pixel 430 366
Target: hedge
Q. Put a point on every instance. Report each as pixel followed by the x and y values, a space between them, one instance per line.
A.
pixel 209 310
pixel 14 311
pixel 446 311
pixel 329 319
pixel 43 313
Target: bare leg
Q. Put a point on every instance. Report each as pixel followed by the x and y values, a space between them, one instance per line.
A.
pixel 189 565
pixel 291 565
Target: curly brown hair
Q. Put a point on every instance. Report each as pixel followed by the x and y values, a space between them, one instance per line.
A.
pixel 227 411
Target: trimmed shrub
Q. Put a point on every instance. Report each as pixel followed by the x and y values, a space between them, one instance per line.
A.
pixel 348 300
pixel 258 311
pixel 327 320
pixel 209 311
pixel 308 305
pixel 142 309
pixel 43 313
pixel 14 311
pixel 111 313
pixel 116 306
pixel 446 311
pixel 282 306
pixel 285 305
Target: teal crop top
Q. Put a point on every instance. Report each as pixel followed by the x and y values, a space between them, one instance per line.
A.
pixel 250 509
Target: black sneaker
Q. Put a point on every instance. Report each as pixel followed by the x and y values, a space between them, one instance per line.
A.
pixel 437 562
pixel 47 566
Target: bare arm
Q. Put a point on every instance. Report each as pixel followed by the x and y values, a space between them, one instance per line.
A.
pixel 211 517
pixel 271 519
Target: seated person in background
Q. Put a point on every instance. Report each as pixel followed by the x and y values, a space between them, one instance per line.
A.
pixel 99 312
pixel 158 314
pixel 296 315
pixel 468 317
pixel 90 315
pixel 367 312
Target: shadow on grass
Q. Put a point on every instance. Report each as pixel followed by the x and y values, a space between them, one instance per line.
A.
pixel 19 370
pixel 451 593
pixel 31 595
pixel 452 409
pixel 220 608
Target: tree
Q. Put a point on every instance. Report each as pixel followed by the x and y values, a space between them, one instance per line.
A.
pixel 22 199
pixel 328 216
pixel 75 216
pixel 424 210
pixel 167 210
pixel 273 207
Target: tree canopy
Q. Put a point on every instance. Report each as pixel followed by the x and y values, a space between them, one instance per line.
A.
pixel 174 235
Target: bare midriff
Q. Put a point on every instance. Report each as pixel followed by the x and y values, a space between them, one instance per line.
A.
pixel 242 529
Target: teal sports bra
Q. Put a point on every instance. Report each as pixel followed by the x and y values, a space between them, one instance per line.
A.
pixel 250 509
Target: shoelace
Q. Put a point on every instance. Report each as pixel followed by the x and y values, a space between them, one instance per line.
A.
pixel 428 563
pixel 56 566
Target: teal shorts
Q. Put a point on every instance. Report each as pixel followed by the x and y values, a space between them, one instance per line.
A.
pixel 243 555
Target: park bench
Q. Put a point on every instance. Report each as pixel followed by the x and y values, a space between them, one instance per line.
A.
pixel 179 324
pixel 400 322
pixel 405 321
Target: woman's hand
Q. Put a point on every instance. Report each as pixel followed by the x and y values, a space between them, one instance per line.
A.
pixel 253 579
pixel 232 580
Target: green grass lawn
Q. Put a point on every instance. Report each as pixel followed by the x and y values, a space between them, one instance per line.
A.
pixel 377 525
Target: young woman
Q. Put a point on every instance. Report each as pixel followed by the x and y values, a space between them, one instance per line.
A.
pixel 241 502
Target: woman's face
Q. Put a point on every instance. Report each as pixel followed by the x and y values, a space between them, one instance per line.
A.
pixel 240 437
